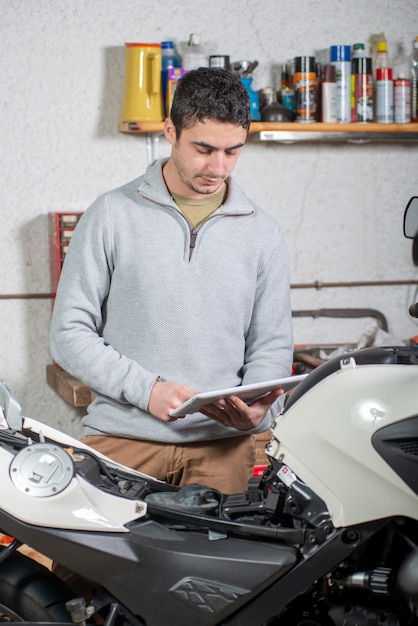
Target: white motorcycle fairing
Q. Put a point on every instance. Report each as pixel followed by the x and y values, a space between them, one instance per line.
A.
pixel 326 439
pixel 63 498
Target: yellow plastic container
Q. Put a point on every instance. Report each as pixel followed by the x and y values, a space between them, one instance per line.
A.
pixel 142 97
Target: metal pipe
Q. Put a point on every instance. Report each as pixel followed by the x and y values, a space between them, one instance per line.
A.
pixel 368 283
pixel 315 285
pixel 26 296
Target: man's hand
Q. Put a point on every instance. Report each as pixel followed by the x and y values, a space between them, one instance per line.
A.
pixel 166 397
pixel 235 413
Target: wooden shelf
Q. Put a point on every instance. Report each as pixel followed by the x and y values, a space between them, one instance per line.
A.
pixel 321 127
pixel 357 133
pixel 69 388
pixel 294 132
pixel 140 127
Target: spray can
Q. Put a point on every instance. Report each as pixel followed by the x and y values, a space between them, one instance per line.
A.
pixel 384 95
pixel 402 99
pixel 358 51
pixel 169 59
pixel 329 94
pixel 305 89
pixel 340 58
pixel 287 94
pixel 363 90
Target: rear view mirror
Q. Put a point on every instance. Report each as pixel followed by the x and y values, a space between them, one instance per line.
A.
pixel 10 408
pixel 410 220
pixel 410 226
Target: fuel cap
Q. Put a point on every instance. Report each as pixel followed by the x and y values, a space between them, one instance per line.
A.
pixel 42 470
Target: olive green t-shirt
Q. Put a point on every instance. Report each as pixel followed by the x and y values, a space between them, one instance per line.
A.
pixel 197 210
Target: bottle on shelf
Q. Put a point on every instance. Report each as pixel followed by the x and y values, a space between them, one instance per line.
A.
pixel 266 97
pixel 401 87
pixel 169 59
pixel 384 95
pixel 305 89
pixel 318 91
pixel 363 109
pixel 254 98
pixel 328 94
pixel 358 51
pixel 382 55
pixel 287 94
pixel 340 57
pixel 195 55
pixel 221 61
pixel 414 81
pixel 401 62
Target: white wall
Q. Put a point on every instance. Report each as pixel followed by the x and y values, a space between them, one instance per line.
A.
pixel 61 74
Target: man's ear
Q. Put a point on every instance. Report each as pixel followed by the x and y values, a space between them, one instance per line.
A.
pixel 169 131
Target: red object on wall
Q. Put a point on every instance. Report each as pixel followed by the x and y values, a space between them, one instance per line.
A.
pixel 60 229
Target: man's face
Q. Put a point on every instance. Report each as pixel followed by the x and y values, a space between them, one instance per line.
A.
pixel 203 157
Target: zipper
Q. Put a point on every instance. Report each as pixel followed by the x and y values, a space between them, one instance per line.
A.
pixel 194 231
pixel 193 235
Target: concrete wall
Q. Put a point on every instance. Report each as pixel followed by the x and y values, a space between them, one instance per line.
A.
pixel 61 74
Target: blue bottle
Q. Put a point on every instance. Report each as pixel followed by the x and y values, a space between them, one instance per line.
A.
pixel 168 59
pixel 254 98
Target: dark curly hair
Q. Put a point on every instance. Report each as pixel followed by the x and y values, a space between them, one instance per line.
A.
pixel 209 93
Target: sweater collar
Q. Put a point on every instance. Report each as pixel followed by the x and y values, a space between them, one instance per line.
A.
pixel 152 185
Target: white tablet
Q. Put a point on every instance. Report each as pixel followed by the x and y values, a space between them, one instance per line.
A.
pixel 249 393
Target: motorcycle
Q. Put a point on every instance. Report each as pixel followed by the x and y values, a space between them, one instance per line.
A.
pixel 328 536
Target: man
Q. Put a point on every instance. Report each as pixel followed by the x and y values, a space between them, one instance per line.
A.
pixel 177 283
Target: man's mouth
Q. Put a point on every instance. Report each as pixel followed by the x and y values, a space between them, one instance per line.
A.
pixel 207 180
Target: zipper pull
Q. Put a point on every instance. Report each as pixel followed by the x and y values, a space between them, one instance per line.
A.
pixel 193 235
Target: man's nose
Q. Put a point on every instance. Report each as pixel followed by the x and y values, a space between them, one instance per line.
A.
pixel 217 163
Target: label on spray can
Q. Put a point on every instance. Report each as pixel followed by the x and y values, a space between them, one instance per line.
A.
pixel 363 90
pixel 402 99
pixel 305 89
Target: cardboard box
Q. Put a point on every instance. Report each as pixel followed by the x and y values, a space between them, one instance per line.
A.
pixel 173 76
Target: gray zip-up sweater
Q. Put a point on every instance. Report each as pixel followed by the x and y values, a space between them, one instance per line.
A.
pixel 141 296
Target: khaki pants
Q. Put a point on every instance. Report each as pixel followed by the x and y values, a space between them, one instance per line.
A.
pixel 223 464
